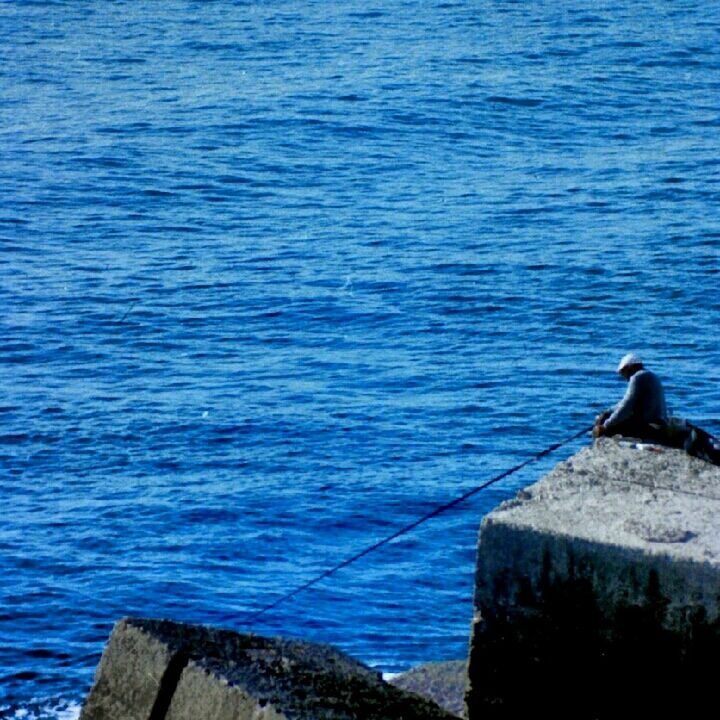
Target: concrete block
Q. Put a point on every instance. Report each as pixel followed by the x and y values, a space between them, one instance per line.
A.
pixel 442 682
pixel 203 694
pixel 129 679
pixel 162 670
pixel 597 589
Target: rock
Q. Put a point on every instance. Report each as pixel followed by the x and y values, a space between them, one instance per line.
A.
pixel 133 675
pixel 597 589
pixel 442 682
pixel 161 670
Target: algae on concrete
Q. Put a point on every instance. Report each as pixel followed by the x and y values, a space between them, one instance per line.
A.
pixel 597 589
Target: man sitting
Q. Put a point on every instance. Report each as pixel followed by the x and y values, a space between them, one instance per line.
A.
pixel 642 412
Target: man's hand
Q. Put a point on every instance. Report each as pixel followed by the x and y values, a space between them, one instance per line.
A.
pixel 599 428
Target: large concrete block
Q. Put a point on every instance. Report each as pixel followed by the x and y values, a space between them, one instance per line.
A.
pixel 203 694
pixel 131 679
pixel 443 682
pixel 598 589
pixel 161 670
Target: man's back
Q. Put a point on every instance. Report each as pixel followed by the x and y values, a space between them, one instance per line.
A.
pixel 643 403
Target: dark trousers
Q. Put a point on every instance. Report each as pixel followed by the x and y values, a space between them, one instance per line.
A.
pixel 641 431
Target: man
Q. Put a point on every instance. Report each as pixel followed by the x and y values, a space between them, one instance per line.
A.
pixel 642 412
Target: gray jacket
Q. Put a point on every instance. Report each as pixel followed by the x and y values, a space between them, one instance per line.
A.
pixel 644 401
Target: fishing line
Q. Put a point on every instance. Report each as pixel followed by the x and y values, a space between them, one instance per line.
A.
pixel 411 526
pixel 127 312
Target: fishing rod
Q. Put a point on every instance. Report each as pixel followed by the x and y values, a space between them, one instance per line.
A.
pixel 411 526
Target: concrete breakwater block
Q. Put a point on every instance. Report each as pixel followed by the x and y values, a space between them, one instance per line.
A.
pixel 162 670
pixel 598 588
pixel 443 682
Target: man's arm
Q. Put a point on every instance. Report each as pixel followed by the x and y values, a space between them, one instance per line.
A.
pixel 625 408
pixel 597 430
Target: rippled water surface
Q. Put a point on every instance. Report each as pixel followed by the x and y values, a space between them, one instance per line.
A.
pixel 278 278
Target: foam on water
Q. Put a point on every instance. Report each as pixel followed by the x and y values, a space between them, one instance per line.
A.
pixel 42 710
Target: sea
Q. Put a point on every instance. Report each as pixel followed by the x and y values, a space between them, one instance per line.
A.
pixel 279 278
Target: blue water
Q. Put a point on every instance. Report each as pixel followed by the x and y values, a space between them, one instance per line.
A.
pixel 279 277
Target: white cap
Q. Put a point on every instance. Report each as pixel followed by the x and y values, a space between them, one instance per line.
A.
pixel 628 360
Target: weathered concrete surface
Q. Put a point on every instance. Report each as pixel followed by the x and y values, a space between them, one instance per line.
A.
pixel 129 676
pixel 597 589
pixel 442 682
pixel 161 670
